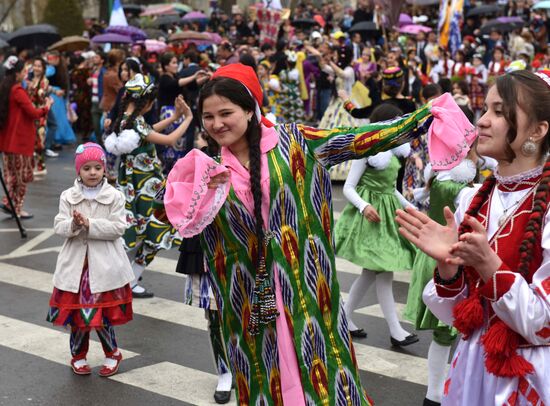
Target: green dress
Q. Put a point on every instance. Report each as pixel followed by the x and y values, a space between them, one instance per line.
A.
pixel 442 193
pixel 140 178
pixel 300 251
pixel 375 246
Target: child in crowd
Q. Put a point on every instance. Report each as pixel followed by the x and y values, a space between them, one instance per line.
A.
pixel 92 275
pixel 140 174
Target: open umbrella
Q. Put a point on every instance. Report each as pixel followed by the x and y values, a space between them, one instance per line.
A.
pixel 134 9
pixel 194 15
pixel 71 44
pixel 166 20
pixel 486 9
pixel 367 27
pixel 304 23
pixel 153 45
pixel 31 36
pixel 111 38
pixel 128 30
pixel 542 5
pixel 155 33
pixel 185 35
pixel 3 44
pixel 166 9
pixel 414 29
pixel 503 27
pixel 405 19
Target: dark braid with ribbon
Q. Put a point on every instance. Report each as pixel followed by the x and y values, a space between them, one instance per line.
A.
pixel 263 309
pixel 534 226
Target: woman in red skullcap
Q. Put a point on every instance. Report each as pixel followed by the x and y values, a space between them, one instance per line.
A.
pixel 492 280
pixel 264 209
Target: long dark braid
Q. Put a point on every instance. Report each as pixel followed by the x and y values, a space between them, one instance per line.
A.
pixel 115 124
pixel 481 196
pixel 534 225
pixel 253 136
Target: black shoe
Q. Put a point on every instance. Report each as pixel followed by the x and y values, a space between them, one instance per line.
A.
pixel 428 402
pixel 410 339
pixel 359 333
pixel 222 397
pixel 143 295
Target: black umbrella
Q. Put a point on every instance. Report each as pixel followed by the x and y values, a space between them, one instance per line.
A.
pixel 32 36
pixel 304 23
pixel 503 27
pixel 134 9
pixel 486 9
pixel 365 27
pixel 166 20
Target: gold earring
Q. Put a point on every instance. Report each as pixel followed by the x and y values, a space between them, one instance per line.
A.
pixel 529 147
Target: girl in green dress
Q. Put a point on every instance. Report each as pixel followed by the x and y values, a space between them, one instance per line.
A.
pixel 140 174
pixel 366 233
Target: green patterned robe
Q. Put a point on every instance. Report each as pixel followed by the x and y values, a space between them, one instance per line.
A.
pixel 301 249
pixel 140 178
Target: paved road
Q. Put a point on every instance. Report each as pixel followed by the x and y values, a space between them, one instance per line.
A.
pixel 166 348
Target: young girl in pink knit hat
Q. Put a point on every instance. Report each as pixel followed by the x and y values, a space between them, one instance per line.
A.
pixel 92 275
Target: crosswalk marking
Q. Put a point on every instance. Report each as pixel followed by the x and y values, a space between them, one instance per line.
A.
pixel 376 360
pixel 173 380
pixel 47 343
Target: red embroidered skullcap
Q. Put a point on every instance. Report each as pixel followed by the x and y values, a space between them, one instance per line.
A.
pixel 246 75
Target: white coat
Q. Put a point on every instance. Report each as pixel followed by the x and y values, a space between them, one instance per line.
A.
pixel 108 264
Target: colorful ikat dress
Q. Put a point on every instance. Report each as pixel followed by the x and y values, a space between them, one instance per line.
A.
pixel 140 178
pixel 299 259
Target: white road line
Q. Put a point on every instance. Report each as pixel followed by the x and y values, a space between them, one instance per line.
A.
pixel 26 248
pixel 47 343
pixel 164 265
pixel 173 380
pixel 376 360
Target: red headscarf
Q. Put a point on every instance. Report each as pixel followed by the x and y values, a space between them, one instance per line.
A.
pixel 246 75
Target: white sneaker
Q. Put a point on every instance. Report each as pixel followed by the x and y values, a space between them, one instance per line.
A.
pixel 51 154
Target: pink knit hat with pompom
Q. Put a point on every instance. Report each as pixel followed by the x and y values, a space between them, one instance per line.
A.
pixel 88 152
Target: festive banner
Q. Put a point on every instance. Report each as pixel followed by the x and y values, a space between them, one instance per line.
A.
pixel 269 21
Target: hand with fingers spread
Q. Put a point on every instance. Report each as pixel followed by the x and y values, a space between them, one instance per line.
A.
pixel 371 214
pixel 474 250
pixel 218 180
pixel 428 235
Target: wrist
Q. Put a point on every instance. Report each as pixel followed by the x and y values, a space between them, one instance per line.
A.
pixel 446 271
pixel 487 268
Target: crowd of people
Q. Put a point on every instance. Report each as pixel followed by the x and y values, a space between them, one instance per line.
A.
pixel 226 151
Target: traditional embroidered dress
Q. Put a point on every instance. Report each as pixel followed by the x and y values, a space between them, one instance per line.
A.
pixel 495 70
pixel 37 92
pixel 307 356
pixel 291 104
pixel 272 89
pixel 140 178
pixel 445 190
pixel 504 354
pixel 375 246
pixel 413 176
